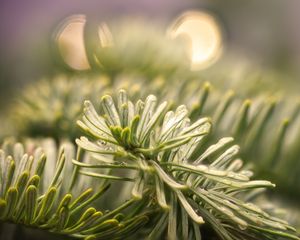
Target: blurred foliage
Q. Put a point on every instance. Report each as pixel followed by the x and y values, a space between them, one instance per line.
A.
pixel 51 107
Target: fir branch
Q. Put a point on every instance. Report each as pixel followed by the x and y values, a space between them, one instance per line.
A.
pixel 33 192
pixel 160 145
pixel 254 124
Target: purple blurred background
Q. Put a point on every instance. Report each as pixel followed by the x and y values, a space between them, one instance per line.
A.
pixel 266 32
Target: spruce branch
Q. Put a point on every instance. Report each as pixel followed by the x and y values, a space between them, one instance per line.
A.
pixel 157 145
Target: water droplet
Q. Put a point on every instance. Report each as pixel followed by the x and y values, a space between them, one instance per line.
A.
pixel 103 142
